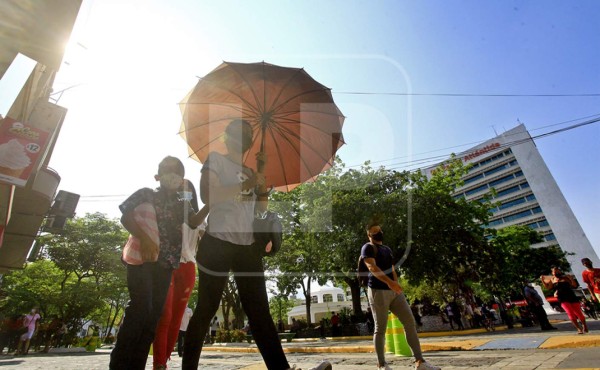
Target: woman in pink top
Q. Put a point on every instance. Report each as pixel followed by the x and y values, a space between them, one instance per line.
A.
pixel 31 322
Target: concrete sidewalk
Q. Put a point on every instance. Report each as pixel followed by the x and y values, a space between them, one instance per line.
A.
pixel 520 348
pixel 466 340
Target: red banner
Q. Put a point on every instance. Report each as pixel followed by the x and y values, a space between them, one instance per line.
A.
pixel 20 147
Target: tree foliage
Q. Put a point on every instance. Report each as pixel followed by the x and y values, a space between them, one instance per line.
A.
pixel 81 277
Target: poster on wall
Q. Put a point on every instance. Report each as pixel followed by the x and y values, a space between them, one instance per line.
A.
pixel 20 147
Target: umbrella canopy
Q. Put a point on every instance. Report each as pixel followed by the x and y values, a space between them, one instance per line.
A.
pixel 293 118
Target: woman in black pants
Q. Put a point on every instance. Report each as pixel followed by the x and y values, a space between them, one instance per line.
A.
pixel 234 194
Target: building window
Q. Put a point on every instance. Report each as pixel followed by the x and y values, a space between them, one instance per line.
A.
pixel 506 178
pixel 550 237
pixel 476 190
pixel 340 298
pixel 507 191
pixel 472 179
pixel 518 215
pixel 496 222
pixel 512 203
pixel 327 298
pixel 314 299
pixel 497 169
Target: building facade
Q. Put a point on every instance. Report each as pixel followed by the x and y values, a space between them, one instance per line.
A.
pixel 39 31
pixel 324 301
pixel 528 195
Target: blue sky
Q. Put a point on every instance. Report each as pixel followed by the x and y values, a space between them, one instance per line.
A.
pixel 137 59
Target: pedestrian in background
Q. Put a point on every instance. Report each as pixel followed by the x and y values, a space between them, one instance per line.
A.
pixel 214 327
pixel 535 302
pixel 591 276
pixel 31 322
pixel 564 285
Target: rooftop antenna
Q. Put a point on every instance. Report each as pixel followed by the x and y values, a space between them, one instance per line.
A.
pixel 494 128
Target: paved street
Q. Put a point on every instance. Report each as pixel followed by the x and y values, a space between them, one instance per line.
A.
pixel 523 348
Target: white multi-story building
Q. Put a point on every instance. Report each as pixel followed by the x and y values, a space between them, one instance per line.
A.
pixel 528 195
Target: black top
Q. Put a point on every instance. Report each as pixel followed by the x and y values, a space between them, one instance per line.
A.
pixel 564 292
pixel 383 259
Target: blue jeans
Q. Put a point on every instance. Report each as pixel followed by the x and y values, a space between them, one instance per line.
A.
pixel 148 285
pixel 215 259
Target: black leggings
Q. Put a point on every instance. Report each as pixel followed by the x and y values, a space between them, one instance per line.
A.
pixel 215 259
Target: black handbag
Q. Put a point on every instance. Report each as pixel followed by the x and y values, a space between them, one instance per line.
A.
pixel 268 229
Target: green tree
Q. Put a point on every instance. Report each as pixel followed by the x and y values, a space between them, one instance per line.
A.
pixel 516 261
pixel 279 306
pixel 448 243
pixel 87 252
pixel 300 260
pixel 35 285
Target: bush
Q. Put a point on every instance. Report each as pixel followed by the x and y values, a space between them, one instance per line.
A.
pixel 90 343
pixel 109 339
pixel 230 336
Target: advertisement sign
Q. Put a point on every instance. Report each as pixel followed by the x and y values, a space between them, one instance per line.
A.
pixel 20 147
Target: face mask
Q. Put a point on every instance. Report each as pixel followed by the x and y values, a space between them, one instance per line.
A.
pixel 378 237
pixel 171 181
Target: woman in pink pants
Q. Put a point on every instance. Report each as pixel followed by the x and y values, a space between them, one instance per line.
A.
pixel 182 285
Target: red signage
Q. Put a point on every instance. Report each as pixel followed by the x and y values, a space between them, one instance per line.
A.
pixel 20 147
pixel 478 152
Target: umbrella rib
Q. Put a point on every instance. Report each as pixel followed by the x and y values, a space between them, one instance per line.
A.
pixel 278 150
pixel 243 77
pixel 275 108
pixel 282 133
pixel 292 77
pixel 195 152
pixel 286 138
pixel 236 107
pixel 287 120
pixel 247 103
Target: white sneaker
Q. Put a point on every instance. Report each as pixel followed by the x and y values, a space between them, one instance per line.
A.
pixel 427 366
pixel 325 365
pixel 384 367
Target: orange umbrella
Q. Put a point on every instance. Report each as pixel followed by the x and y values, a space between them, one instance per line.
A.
pixel 294 119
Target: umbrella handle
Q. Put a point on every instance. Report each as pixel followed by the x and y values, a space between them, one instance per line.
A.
pixel 260 165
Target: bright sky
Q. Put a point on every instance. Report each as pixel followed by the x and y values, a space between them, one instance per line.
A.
pixel 130 62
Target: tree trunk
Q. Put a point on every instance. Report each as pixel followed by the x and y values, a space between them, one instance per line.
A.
pixel 308 302
pixel 107 326
pixel 225 309
pixel 355 289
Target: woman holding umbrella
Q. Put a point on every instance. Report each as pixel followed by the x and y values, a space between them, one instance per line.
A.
pixel 234 193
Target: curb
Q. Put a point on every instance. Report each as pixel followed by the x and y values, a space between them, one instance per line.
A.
pixel 556 342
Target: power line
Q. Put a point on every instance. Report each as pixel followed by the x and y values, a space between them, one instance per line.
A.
pixel 436 159
pixel 467 95
pixel 468 144
pixel 423 162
